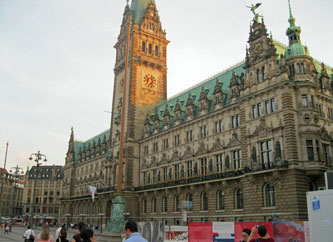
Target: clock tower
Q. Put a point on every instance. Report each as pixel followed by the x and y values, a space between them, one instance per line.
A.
pixel 140 83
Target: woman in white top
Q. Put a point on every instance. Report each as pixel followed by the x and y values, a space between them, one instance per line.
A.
pixel 27 234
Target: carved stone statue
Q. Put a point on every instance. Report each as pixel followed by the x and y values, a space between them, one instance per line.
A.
pixel 253 8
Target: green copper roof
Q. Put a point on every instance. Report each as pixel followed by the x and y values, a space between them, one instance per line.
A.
pixel 138 8
pixel 296 49
pixel 84 144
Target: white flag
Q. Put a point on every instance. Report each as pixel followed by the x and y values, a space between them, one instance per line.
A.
pixel 92 191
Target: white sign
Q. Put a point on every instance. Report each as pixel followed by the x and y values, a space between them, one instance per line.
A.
pixel 184 216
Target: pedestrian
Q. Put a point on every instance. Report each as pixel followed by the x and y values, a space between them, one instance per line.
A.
pixel 29 235
pixel 263 235
pixel 245 234
pixel 131 233
pixel 62 236
pixel 87 235
pixel 45 235
pixel 6 228
pixel 77 237
pixel 58 230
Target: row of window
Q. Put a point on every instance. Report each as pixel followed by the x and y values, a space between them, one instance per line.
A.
pixel 270 107
pixel 306 104
pixel 191 168
pixel 322 151
pixel 268 192
pixel 150 48
pixel 300 69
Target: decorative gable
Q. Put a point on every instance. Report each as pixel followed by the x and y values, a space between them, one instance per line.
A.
pixel 234 141
pixel 262 130
pixel 216 146
pixel 175 156
pixel 188 153
pixel 202 149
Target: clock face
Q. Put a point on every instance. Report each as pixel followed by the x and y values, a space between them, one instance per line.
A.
pixel 149 81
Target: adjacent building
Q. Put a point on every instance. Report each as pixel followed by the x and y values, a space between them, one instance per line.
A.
pixel 43 186
pixel 246 144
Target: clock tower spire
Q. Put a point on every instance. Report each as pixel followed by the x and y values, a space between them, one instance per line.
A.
pixel 140 82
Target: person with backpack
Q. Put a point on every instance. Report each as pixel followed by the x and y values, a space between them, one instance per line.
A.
pixel 29 235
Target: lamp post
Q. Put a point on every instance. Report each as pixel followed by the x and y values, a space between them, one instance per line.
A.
pixel 16 170
pixel 101 215
pixel 67 220
pixel 36 157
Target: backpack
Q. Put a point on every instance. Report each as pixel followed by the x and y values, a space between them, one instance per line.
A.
pixel 32 237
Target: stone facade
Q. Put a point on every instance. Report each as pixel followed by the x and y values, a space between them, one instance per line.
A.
pixel 246 144
pixel 47 181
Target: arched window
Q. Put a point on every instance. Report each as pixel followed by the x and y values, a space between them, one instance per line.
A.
pixel 190 199
pixel 144 205
pixel 157 51
pixel 165 204
pixel 176 203
pixel 239 199
pixel 150 49
pixel 144 48
pixel 220 200
pixel 153 205
pixel 204 201
pixel 269 195
pixel 263 72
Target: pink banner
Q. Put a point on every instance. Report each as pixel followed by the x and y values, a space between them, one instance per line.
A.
pixel 289 231
pixel 200 232
pixel 239 226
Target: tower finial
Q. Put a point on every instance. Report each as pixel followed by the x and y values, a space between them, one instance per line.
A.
pixel 127 2
pixel 291 17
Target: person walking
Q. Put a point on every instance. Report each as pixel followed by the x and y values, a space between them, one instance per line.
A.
pixel 58 230
pixel 263 235
pixel 77 237
pixel 131 233
pixel 62 236
pixel 45 235
pixel 29 235
pixel 6 229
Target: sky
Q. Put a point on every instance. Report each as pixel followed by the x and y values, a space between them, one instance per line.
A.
pixel 57 59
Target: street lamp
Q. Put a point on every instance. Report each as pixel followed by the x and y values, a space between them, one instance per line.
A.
pixel 17 170
pixel 67 220
pixel 36 157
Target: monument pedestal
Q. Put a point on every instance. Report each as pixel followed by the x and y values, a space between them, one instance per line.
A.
pixel 116 237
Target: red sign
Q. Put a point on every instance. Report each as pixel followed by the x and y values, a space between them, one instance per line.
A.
pixel 200 232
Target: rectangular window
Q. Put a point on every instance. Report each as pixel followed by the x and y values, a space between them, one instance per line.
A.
pixel 189 136
pixel 166 143
pixel 203 131
pixel 237 159
pixel 318 150
pixel 145 150
pixel 177 140
pixel 254 111
pixel 320 110
pixel 176 168
pixel 189 167
pixel 266 152
pixel 235 121
pixel 325 151
pixel 165 173
pixel 309 148
pixel 305 101
pixel 155 147
pixel 273 108
pixel 144 178
pixel 218 126
pixel 219 162
pixel 312 101
pixel 259 109
pixel 268 107
pixel 203 162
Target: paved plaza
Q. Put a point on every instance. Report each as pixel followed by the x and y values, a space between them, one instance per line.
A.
pixel 17 235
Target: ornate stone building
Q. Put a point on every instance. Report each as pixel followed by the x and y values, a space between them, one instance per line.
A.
pixel 47 182
pixel 246 144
